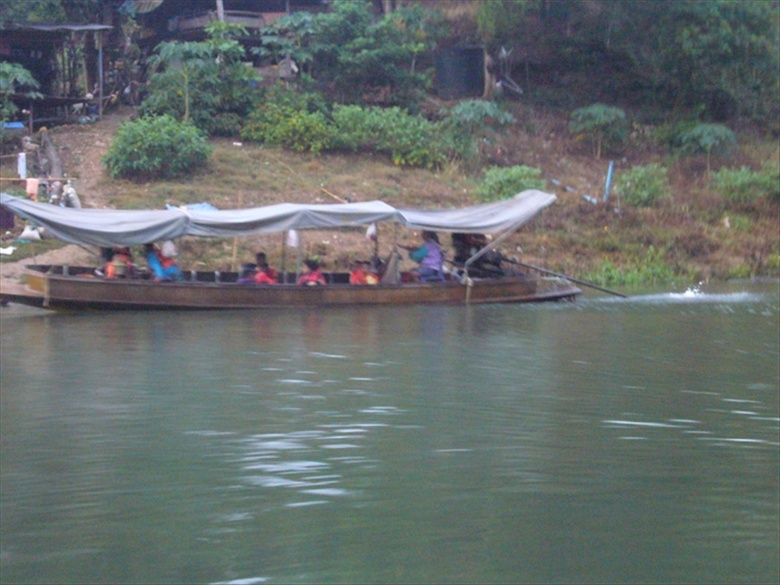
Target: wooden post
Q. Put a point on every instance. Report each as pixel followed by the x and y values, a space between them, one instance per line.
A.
pixel 100 74
pixel 235 241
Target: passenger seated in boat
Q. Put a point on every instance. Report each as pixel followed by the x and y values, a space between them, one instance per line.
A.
pixel 312 275
pixel 429 256
pixel 120 263
pixel 247 276
pixel 466 245
pixel 361 273
pixel 163 267
pixel 265 274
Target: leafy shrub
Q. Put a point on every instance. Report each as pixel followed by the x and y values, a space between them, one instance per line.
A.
pixel 708 139
pixel 292 119
pixel 475 113
pixel 772 172
pixel 744 185
pixel 156 148
pixel 669 135
pixel 650 269
pixel 290 127
pixel 506 182
pixel 601 124
pixel 224 124
pixel 469 121
pixel 359 128
pixel 644 185
pixel 410 140
pixel 288 121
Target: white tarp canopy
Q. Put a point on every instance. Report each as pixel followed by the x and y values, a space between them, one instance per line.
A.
pixel 108 227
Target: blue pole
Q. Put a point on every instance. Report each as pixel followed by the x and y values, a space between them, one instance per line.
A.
pixel 609 180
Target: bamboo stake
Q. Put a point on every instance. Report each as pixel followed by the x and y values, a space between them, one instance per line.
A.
pixel 336 197
pixel 235 242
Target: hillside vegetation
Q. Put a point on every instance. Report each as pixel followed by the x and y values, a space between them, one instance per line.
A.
pixel 693 235
pixel 654 123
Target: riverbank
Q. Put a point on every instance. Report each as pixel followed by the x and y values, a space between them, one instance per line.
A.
pixel 692 236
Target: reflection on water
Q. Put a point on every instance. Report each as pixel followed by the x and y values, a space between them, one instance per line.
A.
pixel 609 440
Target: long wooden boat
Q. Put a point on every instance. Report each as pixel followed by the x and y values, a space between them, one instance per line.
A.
pixel 64 287
pixel 71 287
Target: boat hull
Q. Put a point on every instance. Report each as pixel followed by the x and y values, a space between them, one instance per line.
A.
pixel 63 288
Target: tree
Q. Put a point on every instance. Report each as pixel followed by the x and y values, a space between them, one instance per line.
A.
pixel 708 139
pixel 715 55
pixel 205 82
pixel 288 37
pixel 48 11
pixel 717 58
pixel 600 124
pixel 14 79
pixel 174 65
pixel 359 59
pixel 498 22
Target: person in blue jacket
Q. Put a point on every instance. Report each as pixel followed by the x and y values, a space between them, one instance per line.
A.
pixel 163 267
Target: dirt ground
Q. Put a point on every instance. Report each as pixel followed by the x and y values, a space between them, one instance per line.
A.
pixel 81 148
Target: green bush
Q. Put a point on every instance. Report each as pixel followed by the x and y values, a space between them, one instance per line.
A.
pixel 644 185
pixel 669 135
pixel 604 126
pixel 772 172
pixel 744 185
pixel 300 123
pixel 649 269
pixel 287 126
pixel 291 119
pixel 156 148
pixel 410 140
pixel 708 139
pixel 225 124
pixel 358 128
pixel 474 114
pixel 506 182
pixel 469 122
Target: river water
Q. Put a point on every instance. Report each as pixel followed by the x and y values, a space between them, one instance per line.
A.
pixel 602 441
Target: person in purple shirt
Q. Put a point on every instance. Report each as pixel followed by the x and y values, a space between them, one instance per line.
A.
pixel 429 256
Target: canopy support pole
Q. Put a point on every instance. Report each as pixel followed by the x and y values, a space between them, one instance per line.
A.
pixel 284 258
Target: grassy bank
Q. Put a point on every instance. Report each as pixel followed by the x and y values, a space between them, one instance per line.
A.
pixel 690 237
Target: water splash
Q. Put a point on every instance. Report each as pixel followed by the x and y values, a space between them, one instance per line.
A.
pixel 690 296
pixel 694 291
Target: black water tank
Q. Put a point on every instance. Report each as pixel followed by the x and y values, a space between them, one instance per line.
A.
pixel 460 72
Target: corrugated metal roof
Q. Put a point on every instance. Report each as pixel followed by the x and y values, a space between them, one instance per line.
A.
pixel 63 27
pixel 144 6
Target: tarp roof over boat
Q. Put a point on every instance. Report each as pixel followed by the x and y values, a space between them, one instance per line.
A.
pixel 108 227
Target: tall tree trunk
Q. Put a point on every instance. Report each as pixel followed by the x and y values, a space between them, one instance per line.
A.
pixel 220 11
